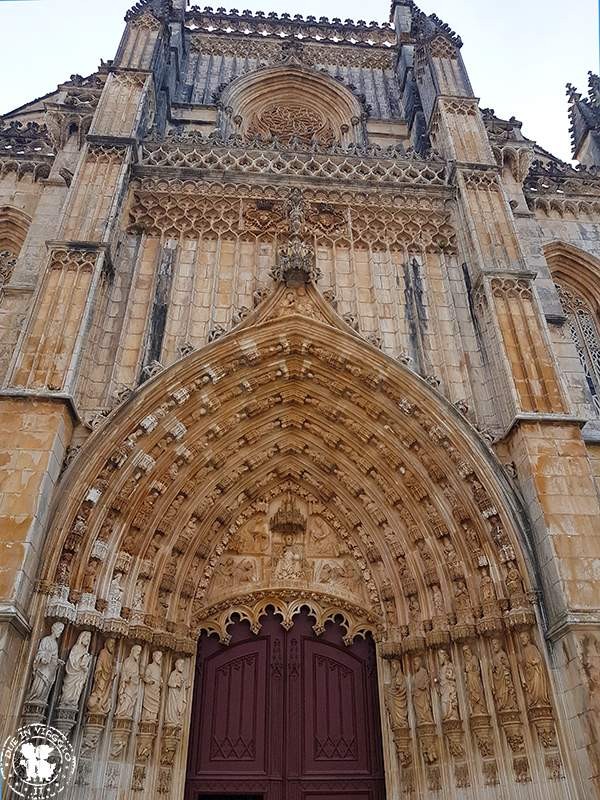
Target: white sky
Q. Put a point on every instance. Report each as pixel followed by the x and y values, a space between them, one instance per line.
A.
pixel 519 53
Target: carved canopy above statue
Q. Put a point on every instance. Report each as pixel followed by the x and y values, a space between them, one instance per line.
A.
pixel 292 101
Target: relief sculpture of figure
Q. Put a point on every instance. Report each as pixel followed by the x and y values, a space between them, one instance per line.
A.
pixel 474 683
pixel 104 675
pixel 153 682
pixel 45 666
pixel 422 693
pixel 76 671
pixel 534 676
pixel 177 688
pixel 129 684
pixel 397 697
pixel 504 688
pixel 447 686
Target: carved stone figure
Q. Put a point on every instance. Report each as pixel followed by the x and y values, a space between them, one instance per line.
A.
pixel 447 687
pixel 153 682
pixel 475 691
pixel 422 692
pixel 438 600
pixel 177 688
pixel 104 675
pixel 513 580
pixel 486 587
pixel 397 697
pixel 504 688
pixel 45 665
pixel 290 566
pixel 534 676
pixel 129 684
pixel 115 596
pixel 76 671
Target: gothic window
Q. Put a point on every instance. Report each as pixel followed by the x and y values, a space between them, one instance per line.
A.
pixel 13 229
pixel 585 330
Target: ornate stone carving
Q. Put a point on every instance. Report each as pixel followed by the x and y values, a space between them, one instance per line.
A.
pixel 534 675
pixel 76 671
pixel 129 684
pixel 473 682
pixel 152 688
pixel 502 678
pixel 447 687
pixel 177 689
pixel 422 692
pixel 45 666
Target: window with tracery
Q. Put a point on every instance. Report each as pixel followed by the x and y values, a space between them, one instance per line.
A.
pixel 585 329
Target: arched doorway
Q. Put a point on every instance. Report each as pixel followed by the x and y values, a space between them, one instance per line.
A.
pixel 285 715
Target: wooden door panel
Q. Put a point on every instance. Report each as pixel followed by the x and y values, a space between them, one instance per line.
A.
pixel 234 722
pixel 336 710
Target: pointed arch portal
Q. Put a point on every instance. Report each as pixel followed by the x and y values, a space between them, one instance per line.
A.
pixel 291 469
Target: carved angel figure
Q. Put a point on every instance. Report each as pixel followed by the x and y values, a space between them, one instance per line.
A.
pixel 447 686
pixel 422 693
pixel 104 675
pixel 129 684
pixel 534 676
pixel 474 683
pixel 397 697
pixel 76 671
pixel 486 586
pixel 177 688
pixel 504 688
pixel 45 665
pixel 153 682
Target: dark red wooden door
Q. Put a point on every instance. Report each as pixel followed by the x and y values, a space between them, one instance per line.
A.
pixel 285 716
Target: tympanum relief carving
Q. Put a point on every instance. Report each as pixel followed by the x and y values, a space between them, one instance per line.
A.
pixel 290 545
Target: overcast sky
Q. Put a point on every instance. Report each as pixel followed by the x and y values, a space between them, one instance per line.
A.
pixel 519 53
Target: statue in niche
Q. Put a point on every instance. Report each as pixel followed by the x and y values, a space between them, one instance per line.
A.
pixel 291 564
pixel 486 587
pixel 422 693
pixel 447 687
pixel 450 555
pixel 45 666
pixel 76 671
pixel 104 675
pixel 474 683
pixel 397 696
pixel 414 609
pixel 153 682
pixel 115 596
pixel 462 600
pixel 502 679
pixel 129 684
pixel 89 579
pixel 513 580
pixel 438 600
pixel 177 688
pixel 137 609
pixel 534 676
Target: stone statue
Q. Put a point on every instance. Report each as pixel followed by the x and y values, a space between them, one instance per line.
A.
pixel 487 588
pixel 397 698
pixel 115 596
pixel 76 671
pixel 447 686
pixel 422 693
pixel 504 688
pixel 475 691
pixel 153 682
pixel 129 684
pixel 513 580
pixel 176 694
pixel 438 600
pixel 534 676
pixel 45 665
pixel 104 675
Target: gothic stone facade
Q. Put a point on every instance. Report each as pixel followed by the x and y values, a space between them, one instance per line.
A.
pixel 259 265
